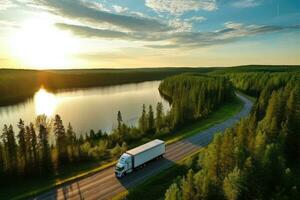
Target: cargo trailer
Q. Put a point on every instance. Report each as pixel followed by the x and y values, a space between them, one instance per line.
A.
pixel 139 156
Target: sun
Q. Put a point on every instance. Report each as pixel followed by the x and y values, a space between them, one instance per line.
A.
pixel 40 44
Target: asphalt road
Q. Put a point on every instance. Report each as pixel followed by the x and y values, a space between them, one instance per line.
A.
pixel 104 185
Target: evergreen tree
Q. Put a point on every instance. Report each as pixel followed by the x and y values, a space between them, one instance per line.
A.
pixel 71 138
pixel 10 148
pixel 119 120
pixel 233 185
pixel 92 136
pixel 34 147
pixel 143 120
pixel 292 146
pixel 12 145
pixel 193 96
pixel 5 147
pixel 44 121
pixel 61 140
pixel 159 117
pixel 151 123
pixel 1 160
pixel 187 187
pixel 29 152
pixel 173 193
pixel 22 146
pixel 44 149
pixel 202 184
pixel 176 114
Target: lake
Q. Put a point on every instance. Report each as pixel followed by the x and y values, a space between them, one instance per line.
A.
pixel 92 108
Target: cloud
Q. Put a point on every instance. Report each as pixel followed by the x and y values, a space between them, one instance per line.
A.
pixel 85 11
pixel 136 13
pixel 180 25
pixel 85 31
pixel 165 46
pixel 8 24
pixel 6 4
pixel 231 32
pixel 119 9
pixel 178 7
pixel 246 3
pixel 96 5
pixel 233 25
pixel 89 32
pixel 195 19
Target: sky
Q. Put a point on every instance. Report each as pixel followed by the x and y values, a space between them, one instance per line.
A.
pixel 50 34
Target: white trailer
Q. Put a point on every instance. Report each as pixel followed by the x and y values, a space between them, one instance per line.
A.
pixel 139 156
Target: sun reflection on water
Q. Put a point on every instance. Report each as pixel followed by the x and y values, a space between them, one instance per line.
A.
pixel 45 103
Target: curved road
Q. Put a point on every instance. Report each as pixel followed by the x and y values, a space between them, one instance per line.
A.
pixel 104 184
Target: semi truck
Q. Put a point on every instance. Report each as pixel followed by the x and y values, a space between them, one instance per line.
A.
pixel 139 156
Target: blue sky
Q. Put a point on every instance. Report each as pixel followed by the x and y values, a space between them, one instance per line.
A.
pixel 149 33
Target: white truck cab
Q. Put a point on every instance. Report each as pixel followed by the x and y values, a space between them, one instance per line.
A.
pixel 139 156
pixel 124 165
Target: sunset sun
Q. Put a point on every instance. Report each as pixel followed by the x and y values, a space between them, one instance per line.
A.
pixel 41 45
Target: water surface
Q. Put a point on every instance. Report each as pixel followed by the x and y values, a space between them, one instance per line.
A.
pixel 94 108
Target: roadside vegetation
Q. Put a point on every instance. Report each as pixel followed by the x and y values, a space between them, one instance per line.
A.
pixel 160 182
pixel 46 148
pixel 259 157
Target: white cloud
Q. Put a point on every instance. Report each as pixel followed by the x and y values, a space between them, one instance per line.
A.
pixel 119 9
pixel 8 24
pixel 246 3
pixel 137 14
pixel 6 4
pixel 178 7
pixel 185 38
pixel 87 12
pixel 195 19
pixel 95 5
pixel 233 25
pixel 230 33
pixel 180 25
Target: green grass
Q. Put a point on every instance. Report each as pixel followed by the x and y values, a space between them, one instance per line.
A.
pixel 219 115
pixel 25 188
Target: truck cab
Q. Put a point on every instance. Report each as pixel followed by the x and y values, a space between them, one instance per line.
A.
pixel 124 165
